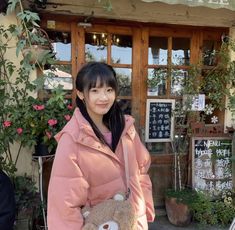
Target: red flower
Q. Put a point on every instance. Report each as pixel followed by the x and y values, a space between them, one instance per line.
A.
pixel 70 107
pixel 52 122
pixel 19 130
pixel 38 107
pixel 7 123
pixel 67 117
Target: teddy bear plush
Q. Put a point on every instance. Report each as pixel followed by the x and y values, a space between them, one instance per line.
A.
pixel 112 214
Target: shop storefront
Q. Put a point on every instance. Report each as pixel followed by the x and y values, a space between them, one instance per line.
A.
pixel 154 39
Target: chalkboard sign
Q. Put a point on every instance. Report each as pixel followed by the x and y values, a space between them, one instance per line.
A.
pixel 211 164
pixel 159 120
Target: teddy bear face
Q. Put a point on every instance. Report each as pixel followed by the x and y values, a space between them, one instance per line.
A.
pixel 109 215
pixel 109 225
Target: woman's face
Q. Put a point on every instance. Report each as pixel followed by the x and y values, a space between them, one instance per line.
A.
pixel 98 100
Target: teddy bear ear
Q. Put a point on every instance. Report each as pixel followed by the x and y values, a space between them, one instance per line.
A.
pixel 119 197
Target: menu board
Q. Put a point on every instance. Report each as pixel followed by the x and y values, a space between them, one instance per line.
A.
pixel 211 164
pixel 159 120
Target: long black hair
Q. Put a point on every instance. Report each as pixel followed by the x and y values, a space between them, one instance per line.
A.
pixel 87 78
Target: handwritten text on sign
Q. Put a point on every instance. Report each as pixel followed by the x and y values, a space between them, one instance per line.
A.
pixel 159 120
pixel 212 164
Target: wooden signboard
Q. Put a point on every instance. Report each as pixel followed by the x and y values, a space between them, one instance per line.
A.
pixel 211 164
pixel 159 120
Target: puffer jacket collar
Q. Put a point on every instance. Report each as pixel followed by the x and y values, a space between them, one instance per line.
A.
pixel 81 132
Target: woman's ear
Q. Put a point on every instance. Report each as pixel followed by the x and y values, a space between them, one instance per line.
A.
pixel 80 95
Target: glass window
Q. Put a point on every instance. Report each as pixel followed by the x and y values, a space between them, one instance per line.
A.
pixel 178 77
pixel 157 51
pixel 180 51
pixel 63 51
pixel 124 81
pixel 61 42
pixel 58 75
pixel 157 82
pixel 96 47
pixel 209 53
pixel 121 49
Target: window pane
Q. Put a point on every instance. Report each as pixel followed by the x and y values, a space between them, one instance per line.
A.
pixel 157 52
pixel 61 42
pixel 157 82
pixel 209 53
pixel 96 47
pixel 63 51
pixel 124 81
pixel 121 49
pixel 125 105
pixel 58 75
pixel 178 78
pixel 180 51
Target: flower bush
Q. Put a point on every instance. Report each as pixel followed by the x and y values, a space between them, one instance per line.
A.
pixel 37 121
pixel 217 211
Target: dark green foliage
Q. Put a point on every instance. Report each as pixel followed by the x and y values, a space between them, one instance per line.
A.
pixel 26 196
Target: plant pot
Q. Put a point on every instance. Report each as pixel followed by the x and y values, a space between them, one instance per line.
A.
pixel 23 222
pixel 177 213
pixel 41 150
pixel 36 52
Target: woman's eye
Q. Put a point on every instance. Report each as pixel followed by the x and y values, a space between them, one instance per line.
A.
pixel 94 90
pixel 110 90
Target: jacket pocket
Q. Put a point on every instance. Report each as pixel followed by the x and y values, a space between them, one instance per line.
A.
pixel 146 187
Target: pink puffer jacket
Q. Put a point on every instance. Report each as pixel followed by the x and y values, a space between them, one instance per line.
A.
pixel 87 172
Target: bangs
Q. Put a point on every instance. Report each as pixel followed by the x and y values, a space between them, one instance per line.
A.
pixel 100 80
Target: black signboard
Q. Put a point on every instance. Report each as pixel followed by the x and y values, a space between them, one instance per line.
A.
pixel 211 164
pixel 159 120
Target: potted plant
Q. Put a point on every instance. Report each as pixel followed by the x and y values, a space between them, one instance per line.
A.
pixel 32 40
pixel 178 197
pixel 37 47
pixel 178 205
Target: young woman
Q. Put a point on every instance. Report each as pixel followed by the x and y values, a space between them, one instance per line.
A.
pixel 89 164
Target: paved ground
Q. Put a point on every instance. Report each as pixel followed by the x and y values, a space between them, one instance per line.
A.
pixel 162 223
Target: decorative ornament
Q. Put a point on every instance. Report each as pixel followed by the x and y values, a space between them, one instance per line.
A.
pixel 208 109
pixel 214 120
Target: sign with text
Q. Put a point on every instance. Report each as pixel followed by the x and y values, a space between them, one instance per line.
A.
pixel 228 4
pixel 159 120
pixel 211 164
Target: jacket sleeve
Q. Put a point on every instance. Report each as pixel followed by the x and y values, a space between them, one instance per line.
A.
pixel 68 188
pixel 7 202
pixel 144 161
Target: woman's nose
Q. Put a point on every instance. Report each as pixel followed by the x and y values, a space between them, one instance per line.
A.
pixel 104 96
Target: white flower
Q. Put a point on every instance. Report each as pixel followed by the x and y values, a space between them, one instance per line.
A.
pixel 208 109
pixel 214 120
